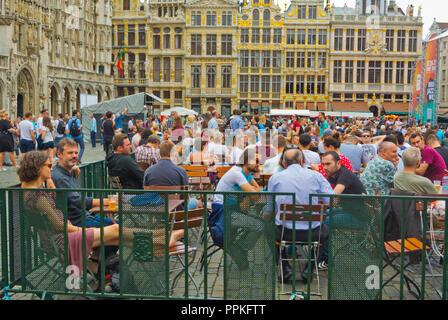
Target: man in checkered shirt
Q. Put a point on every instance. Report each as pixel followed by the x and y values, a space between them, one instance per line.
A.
pixel 149 152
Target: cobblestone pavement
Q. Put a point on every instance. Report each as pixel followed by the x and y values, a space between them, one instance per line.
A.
pixel 244 283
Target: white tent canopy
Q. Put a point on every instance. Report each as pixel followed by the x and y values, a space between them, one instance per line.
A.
pixel 290 112
pixel 135 104
pixel 180 111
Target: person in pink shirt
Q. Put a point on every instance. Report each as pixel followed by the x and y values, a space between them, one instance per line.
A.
pixel 432 165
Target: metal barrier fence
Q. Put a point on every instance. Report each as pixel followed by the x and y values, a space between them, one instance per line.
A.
pixel 42 254
pixel 387 247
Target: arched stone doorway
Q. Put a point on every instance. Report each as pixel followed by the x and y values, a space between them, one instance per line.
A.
pixel 25 94
pixel 100 96
pixel 54 97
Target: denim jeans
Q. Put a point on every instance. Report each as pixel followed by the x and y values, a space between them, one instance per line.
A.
pixel 80 141
pixel 93 138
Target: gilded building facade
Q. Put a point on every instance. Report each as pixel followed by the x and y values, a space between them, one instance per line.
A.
pixel 306 58
pixel 261 52
pixel 52 52
pixel 253 55
pixel 373 53
pixel 211 55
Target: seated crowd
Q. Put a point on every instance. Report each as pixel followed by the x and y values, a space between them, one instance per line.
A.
pixel 303 156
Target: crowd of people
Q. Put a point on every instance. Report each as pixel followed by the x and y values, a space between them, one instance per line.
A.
pixel 323 155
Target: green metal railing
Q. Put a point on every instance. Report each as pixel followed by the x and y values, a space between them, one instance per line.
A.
pixel 374 246
pixel 38 259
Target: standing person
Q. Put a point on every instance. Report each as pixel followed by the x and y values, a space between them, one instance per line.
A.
pixel 237 124
pixel 213 123
pixel 61 129
pixel 119 117
pixel 102 119
pixel 296 126
pixel 47 132
pixel 44 113
pixel 6 139
pixel 27 131
pixel 171 119
pixel 323 124
pixel 130 125
pixel 93 130
pixel 177 130
pixel 74 132
pixel 108 131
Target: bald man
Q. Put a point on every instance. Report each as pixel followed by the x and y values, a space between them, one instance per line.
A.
pixel 303 182
pixel 379 173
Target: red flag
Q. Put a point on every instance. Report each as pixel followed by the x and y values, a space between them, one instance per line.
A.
pixel 120 63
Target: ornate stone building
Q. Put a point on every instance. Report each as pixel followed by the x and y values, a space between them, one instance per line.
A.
pixel 211 55
pixel 53 51
pixel 373 51
pixel 261 51
pixel 224 54
pixel 307 27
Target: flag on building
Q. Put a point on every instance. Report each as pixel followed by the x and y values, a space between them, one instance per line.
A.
pixel 120 63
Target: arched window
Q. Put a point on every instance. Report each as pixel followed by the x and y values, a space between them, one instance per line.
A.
pixel 255 17
pixel 267 17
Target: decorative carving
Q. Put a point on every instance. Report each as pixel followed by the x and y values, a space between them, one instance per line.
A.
pixel 375 45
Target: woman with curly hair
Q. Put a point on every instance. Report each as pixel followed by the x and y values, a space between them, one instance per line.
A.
pixel 34 170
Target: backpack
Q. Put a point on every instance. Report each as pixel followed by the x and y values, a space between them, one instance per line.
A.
pixel 61 127
pixel 74 130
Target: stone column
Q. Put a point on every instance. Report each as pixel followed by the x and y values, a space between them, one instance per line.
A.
pixel 60 102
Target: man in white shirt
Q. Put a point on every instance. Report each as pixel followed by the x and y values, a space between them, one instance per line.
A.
pixel 44 113
pixel 26 131
pixel 311 157
pixel 272 165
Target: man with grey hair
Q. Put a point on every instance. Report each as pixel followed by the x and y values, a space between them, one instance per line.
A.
pixel 408 179
pixel 379 173
pixel 302 182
